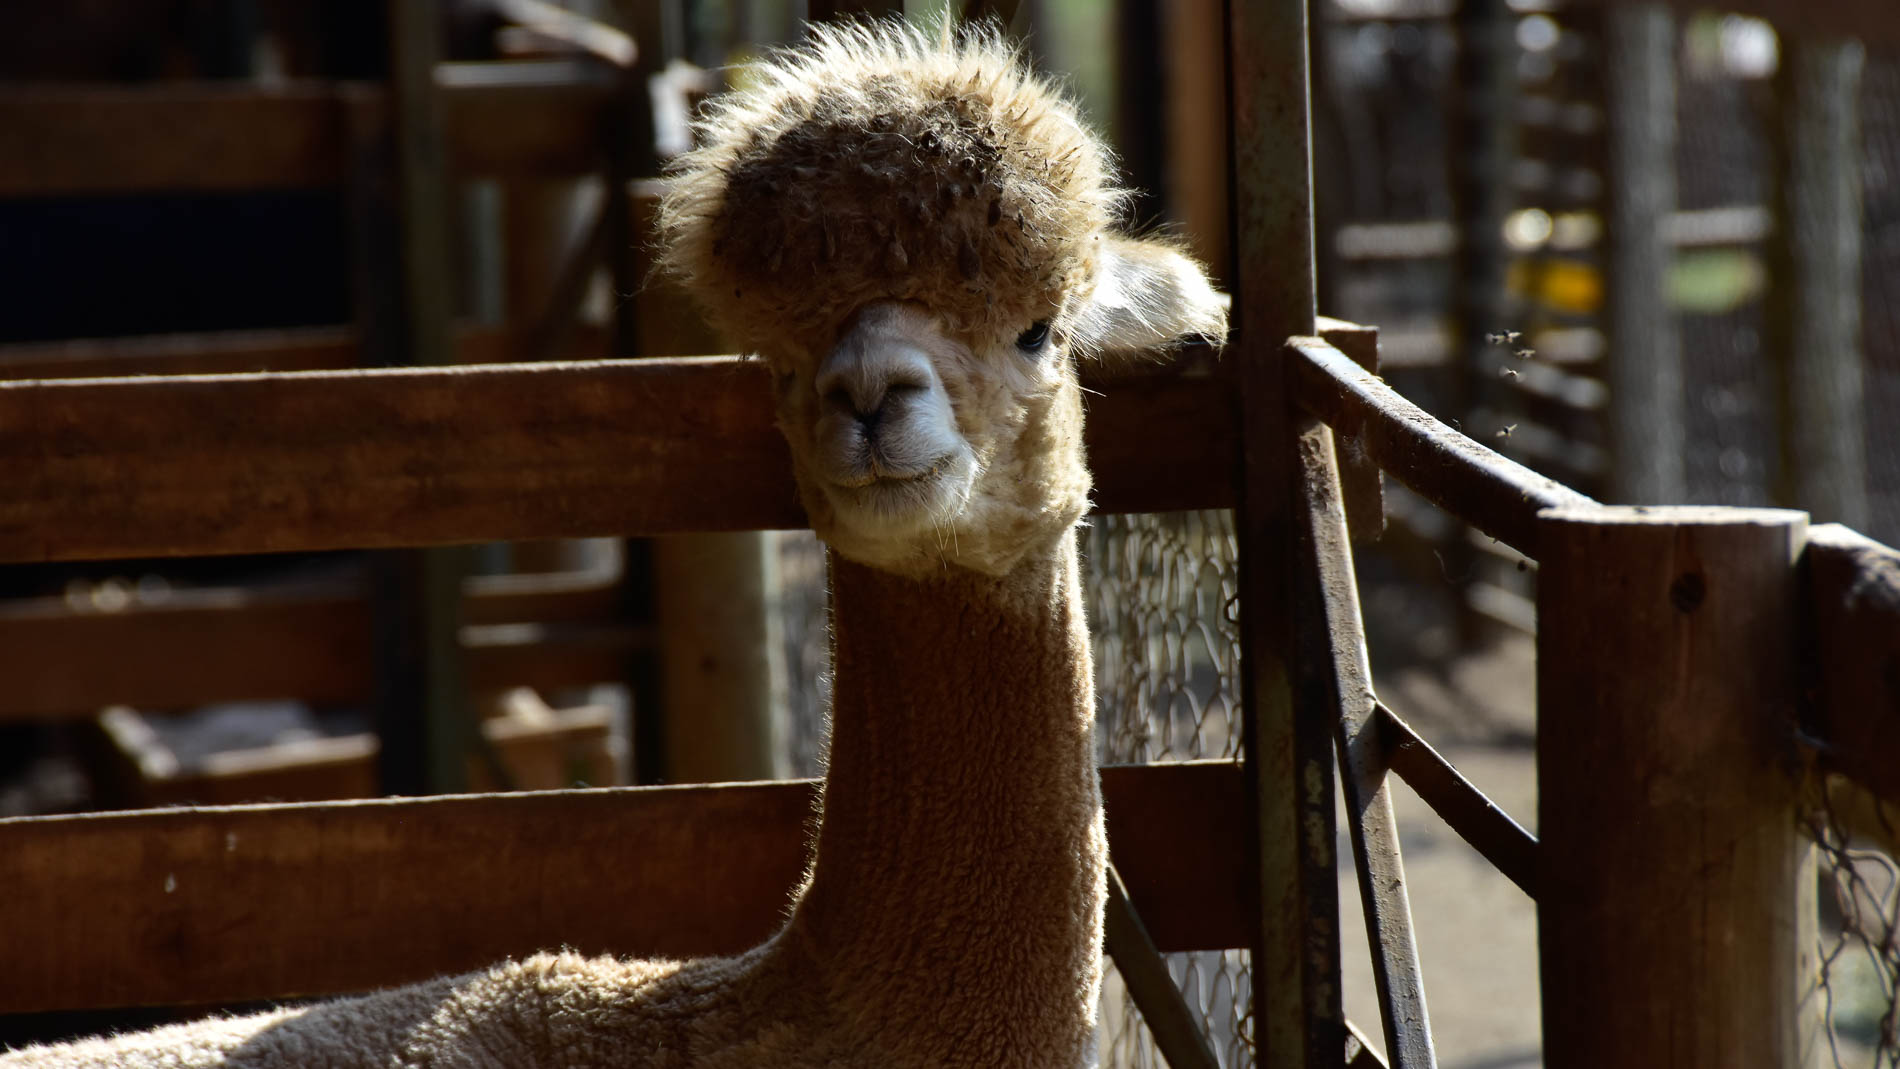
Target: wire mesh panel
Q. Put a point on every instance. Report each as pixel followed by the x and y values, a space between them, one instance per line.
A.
pixel 1162 600
pixel 1859 950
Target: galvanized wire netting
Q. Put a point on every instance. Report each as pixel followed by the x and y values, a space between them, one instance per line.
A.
pixel 1859 931
pixel 1161 592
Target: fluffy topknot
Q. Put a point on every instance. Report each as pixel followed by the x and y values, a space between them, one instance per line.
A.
pixel 880 161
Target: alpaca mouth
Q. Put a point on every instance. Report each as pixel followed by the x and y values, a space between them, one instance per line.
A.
pixel 875 467
pixel 888 497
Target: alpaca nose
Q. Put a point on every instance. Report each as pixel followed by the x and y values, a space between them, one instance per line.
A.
pixel 866 383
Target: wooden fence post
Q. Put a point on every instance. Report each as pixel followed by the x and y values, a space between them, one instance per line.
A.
pixel 1677 914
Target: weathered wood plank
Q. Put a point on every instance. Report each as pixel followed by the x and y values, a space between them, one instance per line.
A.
pixel 1854 609
pixel 76 140
pixel 1675 888
pixel 206 905
pixel 312 644
pixel 335 459
pixel 239 351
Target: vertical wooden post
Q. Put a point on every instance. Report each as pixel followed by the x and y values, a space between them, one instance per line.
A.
pixel 1677 914
pixel 1295 1001
pixel 422 711
pixel 1645 362
pixel 722 655
pixel 1815 313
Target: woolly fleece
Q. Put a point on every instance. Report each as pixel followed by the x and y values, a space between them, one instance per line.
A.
pixel 882 162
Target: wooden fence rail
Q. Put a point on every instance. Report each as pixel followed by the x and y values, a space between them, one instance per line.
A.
pixel 189 906
pixel 1853 607
pixel 313 643
pixel 78 140
pixel 197 465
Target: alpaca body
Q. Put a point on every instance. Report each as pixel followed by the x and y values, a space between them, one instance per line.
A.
pixel 908 947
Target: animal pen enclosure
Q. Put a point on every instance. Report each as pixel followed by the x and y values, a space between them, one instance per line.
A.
pixel 1675 649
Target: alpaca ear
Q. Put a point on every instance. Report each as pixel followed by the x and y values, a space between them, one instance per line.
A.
pixel 1148 296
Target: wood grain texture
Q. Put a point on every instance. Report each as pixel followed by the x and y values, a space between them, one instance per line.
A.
pixel 67 140
pixel 195 465
pixel 236 352
pixel 310 643
pixel 1854 603
pixel 1676 891
pixel 205 905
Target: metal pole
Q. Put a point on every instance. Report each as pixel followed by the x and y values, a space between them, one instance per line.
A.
pixel 1295 1004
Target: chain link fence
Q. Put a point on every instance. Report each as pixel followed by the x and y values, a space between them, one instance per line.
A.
pixel 1859 930
pixel 1162 599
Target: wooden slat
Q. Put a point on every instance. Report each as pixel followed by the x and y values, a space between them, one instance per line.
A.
pixel 1854 602
pixel 67 140
pixel 202 646
pixel 194 465
pixel 207 905
pixel 239 351
pixel 1497 496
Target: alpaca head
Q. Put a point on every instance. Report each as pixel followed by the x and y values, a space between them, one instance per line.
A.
pixel 916 235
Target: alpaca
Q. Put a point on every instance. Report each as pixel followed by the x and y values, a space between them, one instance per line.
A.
pixel 915 235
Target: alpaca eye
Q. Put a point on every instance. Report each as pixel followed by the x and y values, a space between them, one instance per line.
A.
pixel 1033 339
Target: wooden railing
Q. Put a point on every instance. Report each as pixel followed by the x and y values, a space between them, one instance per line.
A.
pixel 1694 665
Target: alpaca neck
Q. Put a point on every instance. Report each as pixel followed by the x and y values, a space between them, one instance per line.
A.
pixel 958 878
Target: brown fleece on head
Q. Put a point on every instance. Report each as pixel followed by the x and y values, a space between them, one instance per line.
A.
pixel 878 163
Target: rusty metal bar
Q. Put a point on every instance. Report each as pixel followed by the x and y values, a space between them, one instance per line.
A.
pixel 1498 496
pixel 1337 671
pixel 1176 1029
pixel 1461 805
pixel 1360 1053
pixel 1287 744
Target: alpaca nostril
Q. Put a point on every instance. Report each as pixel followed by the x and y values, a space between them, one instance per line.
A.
pixel 839 399
pixel 867 414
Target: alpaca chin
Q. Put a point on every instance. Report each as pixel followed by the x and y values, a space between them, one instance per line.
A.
pixel 923 506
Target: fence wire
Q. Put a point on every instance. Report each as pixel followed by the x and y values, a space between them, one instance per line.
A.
pixel 1161 593
pixel 1859 930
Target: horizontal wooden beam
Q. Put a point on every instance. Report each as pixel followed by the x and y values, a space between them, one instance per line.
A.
pixel 309 643
pixel 1497 496
pixel 259 902
pixel 93 140
pixel 1854 602
pixel 239 351
pixel 198 465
